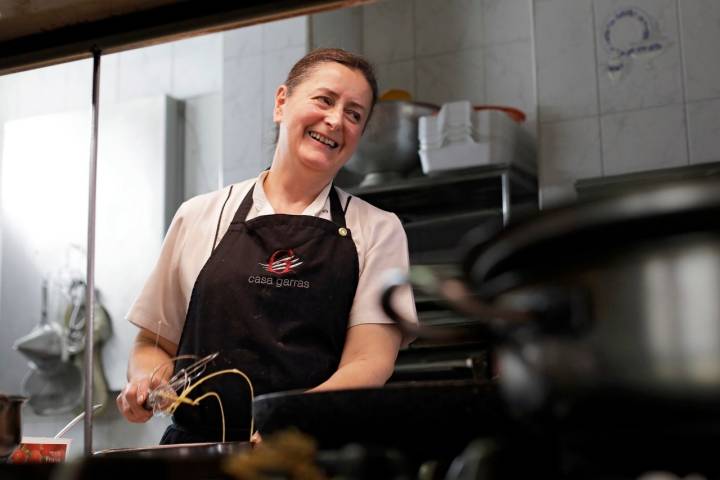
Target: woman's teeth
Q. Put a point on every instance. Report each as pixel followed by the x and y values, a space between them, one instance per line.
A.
pixel 322 139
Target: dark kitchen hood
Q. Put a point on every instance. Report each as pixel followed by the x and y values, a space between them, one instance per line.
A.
pixel 37 34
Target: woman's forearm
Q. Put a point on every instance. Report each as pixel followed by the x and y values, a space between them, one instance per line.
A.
pixel 368 358
pixel 357 374
pixel 147 355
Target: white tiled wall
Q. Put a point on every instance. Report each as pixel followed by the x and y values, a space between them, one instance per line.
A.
pixel 663 110
pixel 445 50
pixel 438 50
pixel 700 27
pixel 337 29
pixel 256 60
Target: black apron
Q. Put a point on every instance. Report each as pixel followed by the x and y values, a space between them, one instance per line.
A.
pixel 274 299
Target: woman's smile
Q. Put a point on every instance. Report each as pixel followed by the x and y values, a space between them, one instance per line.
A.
pixel 328 142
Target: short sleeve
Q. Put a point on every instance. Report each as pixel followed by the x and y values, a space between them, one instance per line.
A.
pixel 384 248
pixel 161 306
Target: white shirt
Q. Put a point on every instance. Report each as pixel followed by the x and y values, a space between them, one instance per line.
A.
pixel 379 238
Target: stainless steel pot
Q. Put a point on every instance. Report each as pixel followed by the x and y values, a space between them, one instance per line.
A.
pixel 388 149
pixel 10 423
pixel 618 293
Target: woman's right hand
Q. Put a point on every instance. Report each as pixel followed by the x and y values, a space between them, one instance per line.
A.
pixel 149 359
pixel 132 398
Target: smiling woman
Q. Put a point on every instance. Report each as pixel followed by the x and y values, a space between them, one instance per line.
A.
pixel 321 110
pixel 215 285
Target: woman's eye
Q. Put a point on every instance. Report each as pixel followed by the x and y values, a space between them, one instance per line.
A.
pixel 356 117
pixel 326 100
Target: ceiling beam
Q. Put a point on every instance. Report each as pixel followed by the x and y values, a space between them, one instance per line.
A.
pixel 139 28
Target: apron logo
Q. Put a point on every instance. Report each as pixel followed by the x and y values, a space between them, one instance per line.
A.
pixel 282 262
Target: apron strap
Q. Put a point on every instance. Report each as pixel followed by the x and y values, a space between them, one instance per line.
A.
pixel 242 212
pixel 217 229
pixel 336 211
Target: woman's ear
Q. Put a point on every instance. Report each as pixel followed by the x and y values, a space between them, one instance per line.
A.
pixel 280 100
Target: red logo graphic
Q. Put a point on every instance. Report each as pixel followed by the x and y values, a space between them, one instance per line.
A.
pixel 282 262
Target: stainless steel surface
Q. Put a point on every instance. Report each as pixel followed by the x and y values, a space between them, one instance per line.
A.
pixel 505 198
pixel 656 314
pixel 388 149
pixel 664 207
pixel 72 422
pixel 90 274
pixel 655 328
pixel 612 185
pixel 186 450
pixel 10 423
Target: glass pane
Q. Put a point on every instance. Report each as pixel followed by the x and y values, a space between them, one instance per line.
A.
pixel 44 187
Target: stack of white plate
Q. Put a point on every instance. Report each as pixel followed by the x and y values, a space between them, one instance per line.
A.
pixel 461 137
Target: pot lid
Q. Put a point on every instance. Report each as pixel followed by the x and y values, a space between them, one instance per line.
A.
pixel 560 239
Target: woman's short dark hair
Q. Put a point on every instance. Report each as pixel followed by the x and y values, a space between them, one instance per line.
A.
pixel 305 66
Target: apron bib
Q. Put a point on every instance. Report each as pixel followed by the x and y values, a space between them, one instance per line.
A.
pixel 274 299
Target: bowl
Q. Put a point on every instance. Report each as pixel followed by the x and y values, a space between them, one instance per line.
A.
pixel 388 149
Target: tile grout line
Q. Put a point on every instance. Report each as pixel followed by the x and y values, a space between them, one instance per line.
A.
pixel 534 62
pixel 593 16
pixel 683 74
pixel 628 111
pixel 413 15
pixel 484 51
pixel 536 93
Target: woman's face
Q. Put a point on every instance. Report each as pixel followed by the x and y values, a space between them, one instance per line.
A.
pixel 321 122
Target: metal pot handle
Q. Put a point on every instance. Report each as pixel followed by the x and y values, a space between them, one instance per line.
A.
pixel 493 322
pixel 554 310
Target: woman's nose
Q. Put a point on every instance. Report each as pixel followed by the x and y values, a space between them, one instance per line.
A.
pixel 334 118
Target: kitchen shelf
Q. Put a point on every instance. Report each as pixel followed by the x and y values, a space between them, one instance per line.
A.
pixel 437 211
pixel 491 189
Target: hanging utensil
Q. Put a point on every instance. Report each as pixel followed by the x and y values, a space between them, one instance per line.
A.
pixel 56 392
pixel 44 345
pixel 74 321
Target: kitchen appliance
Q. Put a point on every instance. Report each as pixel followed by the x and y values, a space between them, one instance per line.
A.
pixel 10 423
pixel 619 293
pixel 388 149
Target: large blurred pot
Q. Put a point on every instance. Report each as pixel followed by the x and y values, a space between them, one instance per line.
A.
pixel 10 423
pixel 388 149
pixel 615 294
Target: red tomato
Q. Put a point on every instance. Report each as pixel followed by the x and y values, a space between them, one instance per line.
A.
pixel 18 456
pixel 35 456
